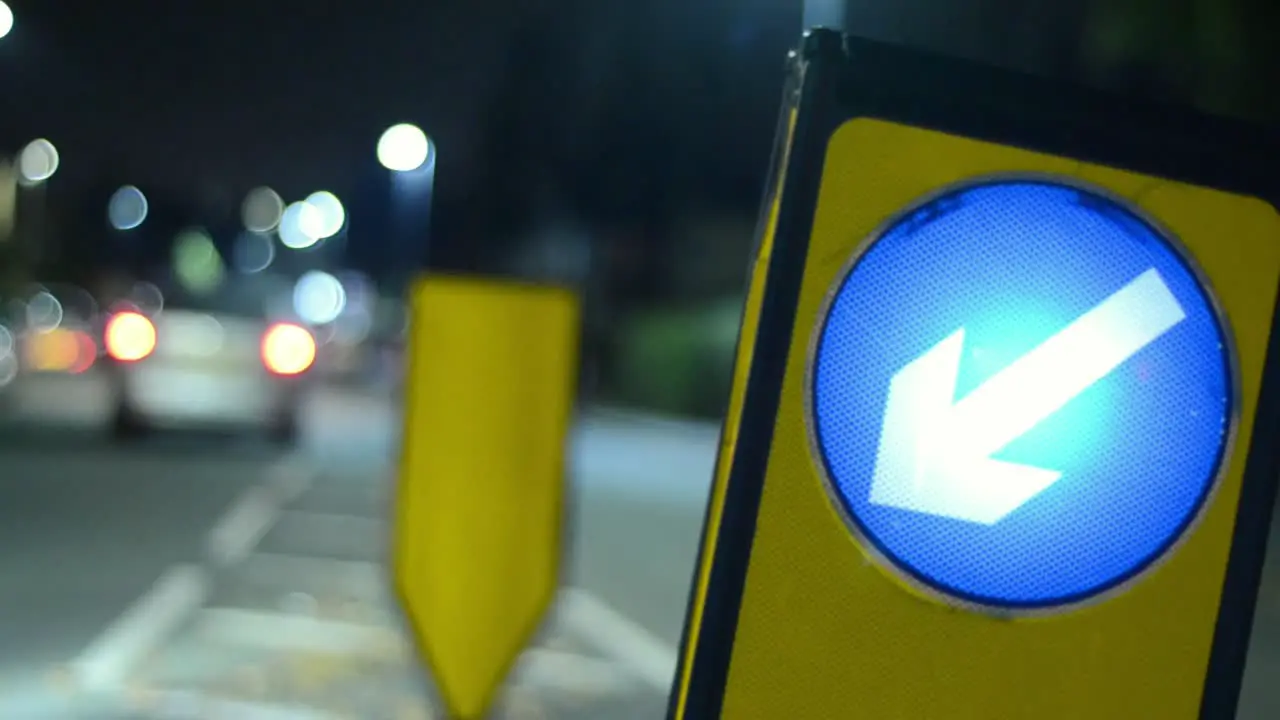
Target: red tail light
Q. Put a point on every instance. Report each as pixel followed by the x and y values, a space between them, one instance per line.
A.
pixel 288 349
pixel 129 337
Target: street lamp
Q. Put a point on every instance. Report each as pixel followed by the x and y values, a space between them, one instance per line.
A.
pixel 127 208
pixel 331 213
pixel 409 155
pixel 301 225
pixel 403 148
pixel 261 210
pixel 6 19
pixel 37 162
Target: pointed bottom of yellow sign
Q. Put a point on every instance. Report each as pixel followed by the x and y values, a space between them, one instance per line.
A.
pixel 479 521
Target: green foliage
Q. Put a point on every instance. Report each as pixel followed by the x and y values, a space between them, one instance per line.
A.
pixel 1199 50
pixel 677 361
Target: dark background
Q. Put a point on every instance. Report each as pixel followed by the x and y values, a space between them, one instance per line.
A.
pixel 617 145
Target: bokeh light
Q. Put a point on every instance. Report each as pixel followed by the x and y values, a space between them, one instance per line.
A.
pixel 37 162
pixel 261 210
pixel 129 336
pixel 332 216
pixel 6 19
pixel 146 297
pixel 44 312
pixel 254 252
pixel 318 297
pixel 288 349
pixel 196 261
pixel 403 148
pixel 58 350
pixel 352 326
pixel 301 225
pixel 127 208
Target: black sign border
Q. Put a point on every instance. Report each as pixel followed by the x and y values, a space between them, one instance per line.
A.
pixel 834 78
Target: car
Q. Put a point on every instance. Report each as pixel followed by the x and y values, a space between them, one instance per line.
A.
pixel 195 367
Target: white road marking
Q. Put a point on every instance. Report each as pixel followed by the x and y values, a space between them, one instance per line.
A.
pixel 242 527
pixel 569 672
pixel 182 589
pixel 187 705
pixel 130 638
pixel 290 478
pixel 632 652
pixel 618 636
pixel 245 523
pixel 284 631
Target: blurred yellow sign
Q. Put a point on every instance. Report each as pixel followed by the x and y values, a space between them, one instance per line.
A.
pixel 991 448
pixel 480 504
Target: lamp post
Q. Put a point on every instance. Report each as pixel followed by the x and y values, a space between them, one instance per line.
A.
pixel 410 157
pixel 6 19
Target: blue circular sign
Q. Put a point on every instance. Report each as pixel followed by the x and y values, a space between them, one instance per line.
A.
pixel 1021 394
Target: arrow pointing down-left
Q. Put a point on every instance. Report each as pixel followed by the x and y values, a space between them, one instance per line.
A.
pixel 935 454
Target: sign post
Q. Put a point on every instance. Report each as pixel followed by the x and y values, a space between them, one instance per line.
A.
pixel 1004 443
pixel 479 515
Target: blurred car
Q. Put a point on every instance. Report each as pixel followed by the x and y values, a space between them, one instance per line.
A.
pixel 192 367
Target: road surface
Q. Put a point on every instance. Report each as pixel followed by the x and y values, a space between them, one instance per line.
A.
pixel 190 575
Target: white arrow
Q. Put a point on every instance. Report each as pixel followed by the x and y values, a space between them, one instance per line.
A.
pixel 935 453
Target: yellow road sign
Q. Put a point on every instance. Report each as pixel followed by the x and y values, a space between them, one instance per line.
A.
pixel 1000 445
pixel 479 507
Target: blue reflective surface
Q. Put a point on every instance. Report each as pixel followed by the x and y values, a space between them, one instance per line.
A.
pixel 1013 263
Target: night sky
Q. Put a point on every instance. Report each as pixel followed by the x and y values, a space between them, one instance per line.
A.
pixel 619 113
pixel 217 97
pixel 622 114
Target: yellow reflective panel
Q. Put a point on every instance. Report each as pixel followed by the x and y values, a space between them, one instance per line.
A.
pixel 479 509
pixel 833 623
pixel 733 414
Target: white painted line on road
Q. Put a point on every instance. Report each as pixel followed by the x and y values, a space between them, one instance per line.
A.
pixel 620 637
pixel 187 705
pixel 181 590
pixel 290 478
pixel 244 524
pixel 127 641
pixel 570 672
pixel 285 631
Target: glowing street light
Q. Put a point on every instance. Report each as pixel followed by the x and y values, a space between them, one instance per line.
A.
pixel 37 162
pixel 403 148
pixel 331 213
pixel 261 210
pixel 6 19
pixel 319 298
pixel 301 225
pixel 127 208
